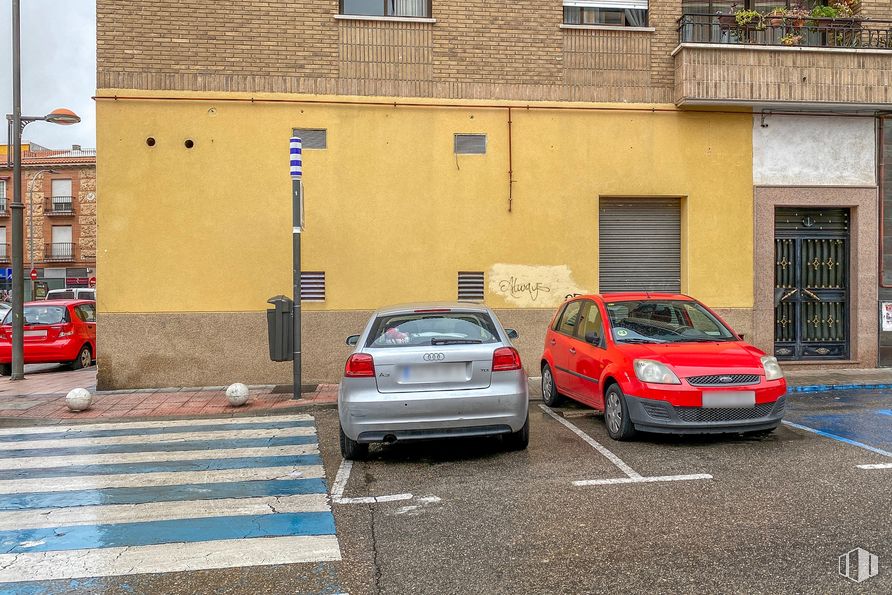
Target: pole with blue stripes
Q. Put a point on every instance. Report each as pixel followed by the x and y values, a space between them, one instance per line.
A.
pixel 297 219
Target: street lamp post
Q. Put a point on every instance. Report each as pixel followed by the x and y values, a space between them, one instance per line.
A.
pixel 17 124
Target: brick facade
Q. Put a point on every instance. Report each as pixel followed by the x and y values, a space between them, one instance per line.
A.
pixel 475 49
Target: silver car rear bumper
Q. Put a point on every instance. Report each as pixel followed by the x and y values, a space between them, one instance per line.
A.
pixel 369 416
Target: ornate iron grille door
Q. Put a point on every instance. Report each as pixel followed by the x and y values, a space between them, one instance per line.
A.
pixel 811 276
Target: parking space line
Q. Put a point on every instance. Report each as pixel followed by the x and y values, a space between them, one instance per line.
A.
pixel 598 482
pixel 839 438
pixel 633 476
pixel 593 443
pixel 340 483
pixel 875 466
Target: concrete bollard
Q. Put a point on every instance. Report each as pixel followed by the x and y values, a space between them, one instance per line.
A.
pixel 237 394
pixel 79 399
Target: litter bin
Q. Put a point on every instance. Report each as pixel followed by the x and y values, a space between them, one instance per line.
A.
pixel 280 328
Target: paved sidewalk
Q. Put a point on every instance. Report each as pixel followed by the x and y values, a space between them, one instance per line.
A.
pixel 161 403
pixel 49 379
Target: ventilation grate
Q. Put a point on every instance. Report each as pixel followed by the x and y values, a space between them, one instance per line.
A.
pixel 312 286
pixel 470 144
pixel 312 138
pixel 470 286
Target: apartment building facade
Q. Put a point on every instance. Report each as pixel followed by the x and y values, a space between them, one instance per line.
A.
pixel 59 196
pixel 504 152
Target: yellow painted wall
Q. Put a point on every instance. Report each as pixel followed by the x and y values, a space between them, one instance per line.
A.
pixel 392 214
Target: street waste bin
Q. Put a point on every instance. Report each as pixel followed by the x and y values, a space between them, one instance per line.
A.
pixel 280 328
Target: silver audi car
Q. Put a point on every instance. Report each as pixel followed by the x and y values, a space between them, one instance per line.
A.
pixel 427 371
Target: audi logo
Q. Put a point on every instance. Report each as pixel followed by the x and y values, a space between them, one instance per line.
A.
pixel 434 357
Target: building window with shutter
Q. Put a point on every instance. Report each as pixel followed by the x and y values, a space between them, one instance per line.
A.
pixel 614 13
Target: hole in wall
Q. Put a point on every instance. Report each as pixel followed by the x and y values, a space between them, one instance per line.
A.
pixel 189 143
pixel 150 141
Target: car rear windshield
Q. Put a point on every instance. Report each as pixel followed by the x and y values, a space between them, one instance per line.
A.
pixel 664 321
pixel 441 328
pixel 41 315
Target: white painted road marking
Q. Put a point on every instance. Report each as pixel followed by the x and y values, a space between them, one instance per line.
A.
pixel 876 466
pixel 159 511
pixel 135 426
pixel 173 557
pixel 152 457
pixel 633 476
pixel 340 483
pixel 96 482
pixel 593 443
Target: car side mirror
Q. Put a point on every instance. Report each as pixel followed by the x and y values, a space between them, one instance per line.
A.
pixel 352 340
pixel 741 335
pixel 593 338
pixel 512 334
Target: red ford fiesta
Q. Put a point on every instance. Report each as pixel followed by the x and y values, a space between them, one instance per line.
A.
pixel 659 363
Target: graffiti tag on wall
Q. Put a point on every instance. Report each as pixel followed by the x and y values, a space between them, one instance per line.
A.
pixel 531 285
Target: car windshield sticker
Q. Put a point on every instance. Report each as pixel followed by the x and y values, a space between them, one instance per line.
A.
pixel 622 332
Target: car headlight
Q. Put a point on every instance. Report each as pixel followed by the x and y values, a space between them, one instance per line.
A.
pixel 654 372
pixel 772 368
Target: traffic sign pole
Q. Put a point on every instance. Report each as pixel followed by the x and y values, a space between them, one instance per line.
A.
pixel 297 207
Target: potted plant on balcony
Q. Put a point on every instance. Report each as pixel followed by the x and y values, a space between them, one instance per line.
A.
pixel 776 16
pixel 798 16
pixel 790 39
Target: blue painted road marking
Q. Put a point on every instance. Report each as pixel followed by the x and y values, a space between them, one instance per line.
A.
pixel 173 493
pixel 158 447
pixel 858 418
pixel 163 466
pixel 79 434
pixel 81 537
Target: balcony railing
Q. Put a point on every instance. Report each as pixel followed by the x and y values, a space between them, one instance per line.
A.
pixel 59 252
pixel 788 31
pixel 59 205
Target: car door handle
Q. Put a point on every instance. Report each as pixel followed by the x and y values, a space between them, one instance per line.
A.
pixel 573 351
pixel 553 342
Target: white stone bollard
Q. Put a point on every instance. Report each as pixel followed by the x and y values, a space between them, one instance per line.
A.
pixel 79 399
pixel 237 394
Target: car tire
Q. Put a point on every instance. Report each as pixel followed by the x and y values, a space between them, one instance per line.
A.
pixel 616 414
pixel 84 358
pixel 5 369
pixel 550 394
pixel 520 439
pixel 352 450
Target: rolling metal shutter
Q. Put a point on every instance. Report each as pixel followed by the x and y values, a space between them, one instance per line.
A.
pixel 640 244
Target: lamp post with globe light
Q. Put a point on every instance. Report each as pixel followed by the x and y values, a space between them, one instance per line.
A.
pixel 17 123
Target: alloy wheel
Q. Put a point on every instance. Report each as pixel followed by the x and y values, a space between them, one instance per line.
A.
pixel 613 412
pixel 86 358
pixel 547 385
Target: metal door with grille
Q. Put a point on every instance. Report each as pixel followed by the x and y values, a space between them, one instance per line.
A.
pixel 811 278
pixel 640 244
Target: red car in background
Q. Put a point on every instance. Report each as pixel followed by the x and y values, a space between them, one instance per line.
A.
pixel 659 362
pixel 56 331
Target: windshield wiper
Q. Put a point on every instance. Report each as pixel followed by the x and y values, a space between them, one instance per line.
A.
pixel 635 340
pixel 448 341
pixel 702 340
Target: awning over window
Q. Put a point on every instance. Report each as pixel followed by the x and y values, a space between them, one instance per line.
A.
pixel 616 4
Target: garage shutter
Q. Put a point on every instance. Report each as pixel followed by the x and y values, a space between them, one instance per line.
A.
pixel 640 244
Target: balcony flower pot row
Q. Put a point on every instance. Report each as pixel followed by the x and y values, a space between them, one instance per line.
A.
pixel 831 25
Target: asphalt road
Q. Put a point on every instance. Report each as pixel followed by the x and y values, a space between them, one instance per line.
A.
pixel 774 517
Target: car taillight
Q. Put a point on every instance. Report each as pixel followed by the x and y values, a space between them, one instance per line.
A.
pixel 504 359
pixel 67 330
pixel 359 365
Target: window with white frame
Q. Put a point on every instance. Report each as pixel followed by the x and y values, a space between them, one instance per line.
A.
pixel 616 13
pixel 2 195
pixel 62 199
pixel 4 252
pixel 386 8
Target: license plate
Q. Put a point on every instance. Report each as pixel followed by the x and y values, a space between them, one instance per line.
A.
pixel 35 334
pixel 429 373
pixel 726 399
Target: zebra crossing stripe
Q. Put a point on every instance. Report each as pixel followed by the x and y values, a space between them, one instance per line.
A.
pixel 137 426
pixel 35 463
pixel 113 499
pixel 155 438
